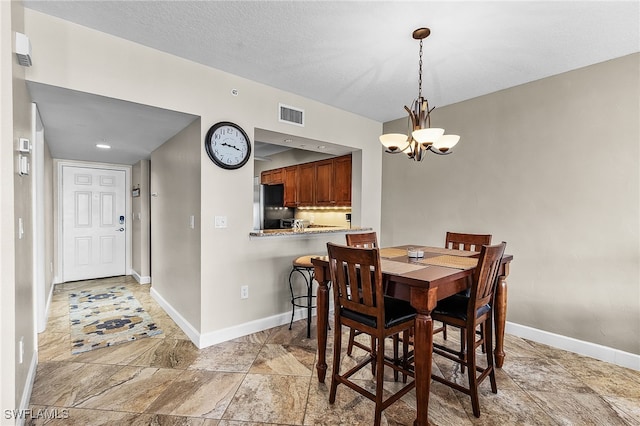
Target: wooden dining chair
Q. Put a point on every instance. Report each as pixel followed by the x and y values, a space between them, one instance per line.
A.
pixel 364 240
pixel 465 242
pixel 360 303
pixel 468 313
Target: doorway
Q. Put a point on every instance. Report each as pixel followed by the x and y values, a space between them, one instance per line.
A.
pixel 93 220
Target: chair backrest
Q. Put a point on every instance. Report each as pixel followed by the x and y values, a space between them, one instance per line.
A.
pixel 485 277
pixel 365 240
pixel 467 242
pixel 358 292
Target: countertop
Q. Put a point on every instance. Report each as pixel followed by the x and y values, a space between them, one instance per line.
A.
pixel 266 233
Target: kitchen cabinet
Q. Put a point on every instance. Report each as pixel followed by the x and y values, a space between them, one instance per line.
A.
pixel 324 183
pixel 291 186
pixel 272 177
pixel 306 184
pixel 342 181
pixel 319 183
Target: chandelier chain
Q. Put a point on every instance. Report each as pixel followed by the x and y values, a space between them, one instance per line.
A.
pixel 420 72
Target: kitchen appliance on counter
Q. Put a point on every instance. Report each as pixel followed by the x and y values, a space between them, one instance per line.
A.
pixel 268 210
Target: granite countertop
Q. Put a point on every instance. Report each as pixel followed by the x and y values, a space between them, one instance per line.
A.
pixel 306 232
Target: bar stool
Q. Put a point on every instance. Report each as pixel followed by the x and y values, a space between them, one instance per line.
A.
pixel 303 266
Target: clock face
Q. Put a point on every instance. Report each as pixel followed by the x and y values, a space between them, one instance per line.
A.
pixel 227 145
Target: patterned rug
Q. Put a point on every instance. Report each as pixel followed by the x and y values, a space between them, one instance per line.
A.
pixel 107 317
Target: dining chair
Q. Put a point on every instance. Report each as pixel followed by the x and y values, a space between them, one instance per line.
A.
pixel 465 242
pixel 467 313
pixel 360 303
pixel 365 240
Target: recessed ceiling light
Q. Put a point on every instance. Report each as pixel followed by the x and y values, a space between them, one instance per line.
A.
pixel 103 146
pixel 321 147
pixel 288 140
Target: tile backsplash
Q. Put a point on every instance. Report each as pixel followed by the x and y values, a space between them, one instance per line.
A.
pixel 324 216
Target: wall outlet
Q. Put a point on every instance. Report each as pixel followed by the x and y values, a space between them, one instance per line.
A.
pixel 221 221
pixel 244 292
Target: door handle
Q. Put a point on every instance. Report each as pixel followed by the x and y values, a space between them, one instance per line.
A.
pixel 120 229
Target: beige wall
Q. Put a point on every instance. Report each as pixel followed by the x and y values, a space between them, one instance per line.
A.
pixel 17 253
pixel 81 59
pixel 49 224
pixel 7 227
pixel 175 247
pixel 551 167
pixel 141 221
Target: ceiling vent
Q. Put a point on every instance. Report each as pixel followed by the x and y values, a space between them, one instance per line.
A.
pixel 291 115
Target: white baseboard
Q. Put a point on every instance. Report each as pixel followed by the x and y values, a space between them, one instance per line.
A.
pixel 192 333
pixel 141 279
pixel 250 327
pixel 593 350
pixel 229 333
pixel 28 388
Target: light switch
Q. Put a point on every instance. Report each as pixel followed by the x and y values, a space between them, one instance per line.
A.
pixel 221 221
pixel 192 221
pixel 20 228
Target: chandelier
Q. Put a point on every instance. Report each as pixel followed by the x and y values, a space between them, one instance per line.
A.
pixel 421 137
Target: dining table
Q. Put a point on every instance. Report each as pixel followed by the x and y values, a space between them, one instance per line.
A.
pixel 423 281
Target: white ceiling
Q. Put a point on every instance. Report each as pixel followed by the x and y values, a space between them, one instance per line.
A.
pixel 359 55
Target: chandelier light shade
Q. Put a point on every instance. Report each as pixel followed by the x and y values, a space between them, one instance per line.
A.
pixel 421 137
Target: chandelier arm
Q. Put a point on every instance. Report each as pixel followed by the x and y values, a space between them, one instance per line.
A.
pixel 412 116
pixel 437 151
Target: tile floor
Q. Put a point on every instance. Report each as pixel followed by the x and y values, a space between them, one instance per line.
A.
pixel 268 378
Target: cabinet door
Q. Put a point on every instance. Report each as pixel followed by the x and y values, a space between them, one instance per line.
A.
pixel 306 184
pixel 324 183
pixel 342 181
pixel 291 186
pixel 277 176
pixel 265 177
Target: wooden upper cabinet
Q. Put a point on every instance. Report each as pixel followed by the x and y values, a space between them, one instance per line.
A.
pixel 320 183
pixel 272 177
pixel 342 181
pixel 306 184
pixel 324 182
pixel 291 186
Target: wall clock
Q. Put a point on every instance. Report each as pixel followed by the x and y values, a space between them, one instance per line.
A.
pixel 227 145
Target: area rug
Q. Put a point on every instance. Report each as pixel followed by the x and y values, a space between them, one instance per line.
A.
pixel 106 317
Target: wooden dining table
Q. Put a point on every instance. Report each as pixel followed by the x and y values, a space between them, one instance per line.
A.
pixel 423 281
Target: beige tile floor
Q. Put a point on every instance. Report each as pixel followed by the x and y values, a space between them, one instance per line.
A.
pixel 268 378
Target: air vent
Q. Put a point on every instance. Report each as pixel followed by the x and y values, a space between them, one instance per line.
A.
pixel 291 115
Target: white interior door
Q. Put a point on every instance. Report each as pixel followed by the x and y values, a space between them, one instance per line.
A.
pixel 94 223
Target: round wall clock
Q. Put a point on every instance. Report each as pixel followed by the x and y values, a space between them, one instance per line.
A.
pixel 227 145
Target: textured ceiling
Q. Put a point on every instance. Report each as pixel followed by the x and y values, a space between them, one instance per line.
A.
pixel 359 56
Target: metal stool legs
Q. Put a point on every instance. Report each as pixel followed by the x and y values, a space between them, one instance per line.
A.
pixel 308 275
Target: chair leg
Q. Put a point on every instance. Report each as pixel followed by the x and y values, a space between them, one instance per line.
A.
pixel 444 331
pixel 471 372
pixel 374 355
pixel 379 380
pixel 293 307
pixel 489 343
pixel 396 344
pixel 352 336
pixel 463 349
pixel 309 304
pixel 337 347
pixel 405 351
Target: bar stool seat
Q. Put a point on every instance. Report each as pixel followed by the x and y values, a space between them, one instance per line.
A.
pixel 303 266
